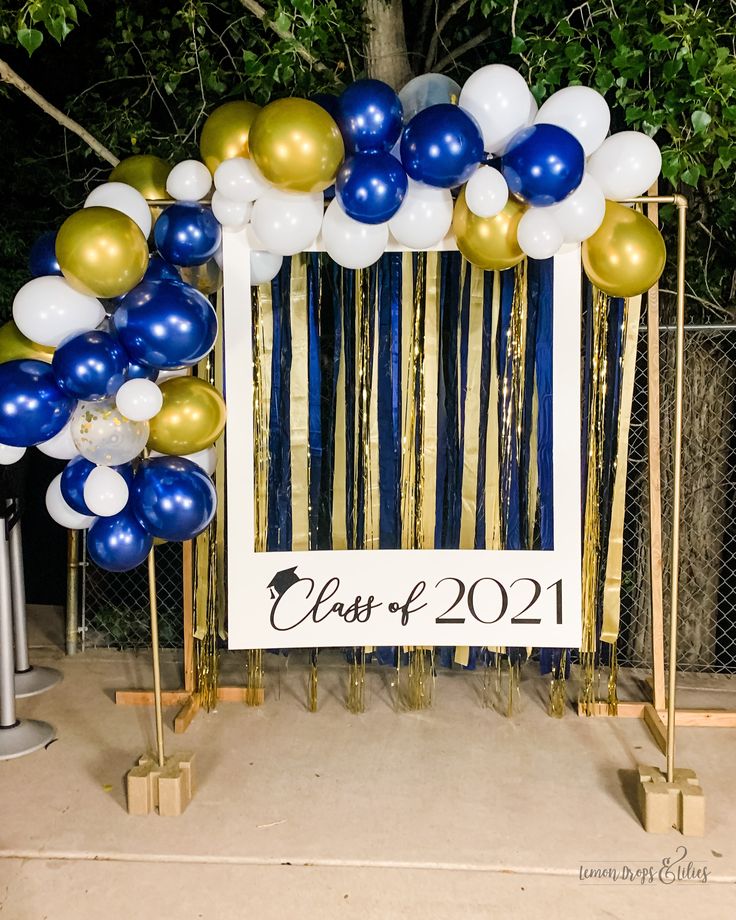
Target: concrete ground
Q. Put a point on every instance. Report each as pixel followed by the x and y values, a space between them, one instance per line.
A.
pixel 455 812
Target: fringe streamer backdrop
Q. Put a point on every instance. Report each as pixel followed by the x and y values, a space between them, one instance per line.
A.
pixel 409 405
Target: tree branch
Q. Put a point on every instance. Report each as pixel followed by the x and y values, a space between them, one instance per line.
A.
pixel 8 75
pixel 432 51
pixel 285 34
pixel 467 46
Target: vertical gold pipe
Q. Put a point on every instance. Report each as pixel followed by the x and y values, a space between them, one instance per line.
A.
pixel 72 592
pixel 681 203
pixel 156 660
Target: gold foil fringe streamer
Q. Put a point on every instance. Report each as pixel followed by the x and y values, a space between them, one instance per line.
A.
pixel 255 692
pixel 613 682
pixel 592 525
pixel 312 683
pixel 254 681
pixel 208 659
pixel 558 688
pixel 356 682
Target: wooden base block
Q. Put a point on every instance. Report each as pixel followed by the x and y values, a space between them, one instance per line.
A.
pixel 168 788
pixel 679 804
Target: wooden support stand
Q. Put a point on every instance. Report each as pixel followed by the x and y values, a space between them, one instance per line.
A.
pixel 168 788
pixel 679 804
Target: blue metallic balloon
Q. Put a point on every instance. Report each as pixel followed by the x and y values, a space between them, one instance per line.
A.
pixel 118 543
pixel 173 498
pixel 187 234
pixel 369 115
pixel 32 407
pixel 441 146
pixel 140 371
pixel 543 164
pixel 92 365
pixel 42 257
pixel 74 475
pixel 159 270
pixel 371 186
pixel 165 324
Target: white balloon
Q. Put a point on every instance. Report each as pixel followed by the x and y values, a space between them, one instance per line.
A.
pixel 264 266
pixel 539 234
pixel 105 491
pixel 10 455
pixel 240 180
pixel 486 193
pixel 499 99
pixel 103 434
pixel 48 310
pixel 189 180
pixel 206 459
pixel 349 242
pixel 425 90
pixel 626 164
pixel 63 513
pixel 581 111
pixel 533 109
pixel 231 214
pixel 139 399
pixel 424 218
pixel 61 446
pixel 125 198
pixel 286 223
pixel 582 212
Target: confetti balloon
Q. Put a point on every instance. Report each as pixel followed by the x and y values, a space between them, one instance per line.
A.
pixel 103 435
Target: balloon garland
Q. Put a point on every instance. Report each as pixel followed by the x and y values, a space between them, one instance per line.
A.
pixel 92 364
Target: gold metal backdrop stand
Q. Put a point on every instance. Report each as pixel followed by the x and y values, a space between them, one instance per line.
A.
pixel 187 697
pixel 659 712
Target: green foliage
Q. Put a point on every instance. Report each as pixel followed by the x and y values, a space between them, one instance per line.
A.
pixel 143 77
pixel 57 18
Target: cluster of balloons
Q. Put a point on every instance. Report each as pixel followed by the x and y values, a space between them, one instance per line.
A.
pixel 94 366
pixel 483 162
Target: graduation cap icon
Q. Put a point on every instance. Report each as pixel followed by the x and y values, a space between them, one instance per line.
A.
pixel 282 581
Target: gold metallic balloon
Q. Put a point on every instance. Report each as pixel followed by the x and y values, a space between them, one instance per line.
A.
pixel 101 252
pixel 297 145
pixel 146 173
pixel 14 346
pixel 225 133
pixel 192 417
pixel 626 254
pixel 488 242
pixel 207 278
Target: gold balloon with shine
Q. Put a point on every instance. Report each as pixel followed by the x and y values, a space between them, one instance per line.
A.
pixel 147 174
pixel 626 254
pixel 192 417
pixel 488 242
pixel 101 252
pixel 14 346
pixel 225 133
pixel 297 145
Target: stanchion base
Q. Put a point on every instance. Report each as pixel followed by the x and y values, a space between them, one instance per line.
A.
pixel 24 738
pixel 35 681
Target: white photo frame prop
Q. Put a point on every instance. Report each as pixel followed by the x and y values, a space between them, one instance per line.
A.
pixel 353 598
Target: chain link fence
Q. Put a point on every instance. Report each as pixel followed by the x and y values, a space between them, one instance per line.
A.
pixel 707 627
pixel 115 606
